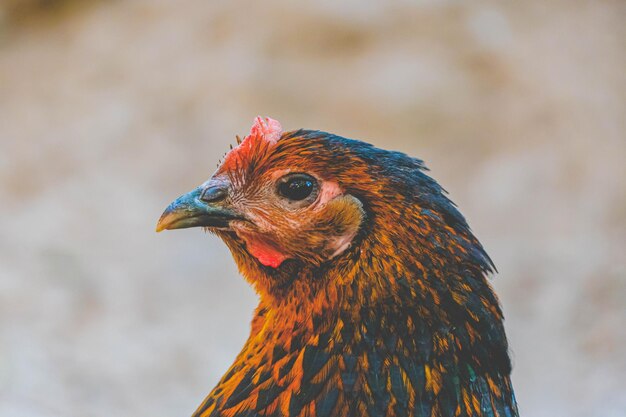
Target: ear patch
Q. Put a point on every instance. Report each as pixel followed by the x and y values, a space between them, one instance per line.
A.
pixel 348 212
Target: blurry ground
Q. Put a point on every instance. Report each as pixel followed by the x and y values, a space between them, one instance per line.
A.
pixel 110 109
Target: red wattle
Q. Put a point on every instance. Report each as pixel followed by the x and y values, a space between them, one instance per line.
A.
pixel 265 253
pixel 270 260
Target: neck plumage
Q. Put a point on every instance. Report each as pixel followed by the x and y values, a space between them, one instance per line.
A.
pixel 378 336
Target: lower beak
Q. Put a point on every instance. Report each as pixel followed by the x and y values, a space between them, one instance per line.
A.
pixel 190 211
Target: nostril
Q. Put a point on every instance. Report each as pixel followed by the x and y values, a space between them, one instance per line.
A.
pixel 213 194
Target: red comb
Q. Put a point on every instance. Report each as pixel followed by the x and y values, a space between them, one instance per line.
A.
pixel 263 131
pixel 268 129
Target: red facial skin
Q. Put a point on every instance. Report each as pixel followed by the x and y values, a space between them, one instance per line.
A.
pixel 261 241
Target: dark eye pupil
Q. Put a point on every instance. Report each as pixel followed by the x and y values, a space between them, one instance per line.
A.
pixel 297 188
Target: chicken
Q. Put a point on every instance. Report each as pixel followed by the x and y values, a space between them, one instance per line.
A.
pixel 373 293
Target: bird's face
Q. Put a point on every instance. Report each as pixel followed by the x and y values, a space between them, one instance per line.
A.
pixel 272 204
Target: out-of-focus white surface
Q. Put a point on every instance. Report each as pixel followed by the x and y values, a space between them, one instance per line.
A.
pixel 109 110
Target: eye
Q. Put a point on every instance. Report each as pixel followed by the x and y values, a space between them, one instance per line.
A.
pixel 297 187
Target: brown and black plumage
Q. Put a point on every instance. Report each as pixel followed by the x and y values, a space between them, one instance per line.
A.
pixel 374 299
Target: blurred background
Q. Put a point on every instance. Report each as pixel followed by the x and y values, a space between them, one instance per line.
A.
pixel 110 109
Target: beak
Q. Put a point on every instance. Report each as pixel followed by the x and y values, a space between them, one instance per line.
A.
pixel 203 207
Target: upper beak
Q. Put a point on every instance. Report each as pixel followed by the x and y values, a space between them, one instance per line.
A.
pixel 199 208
